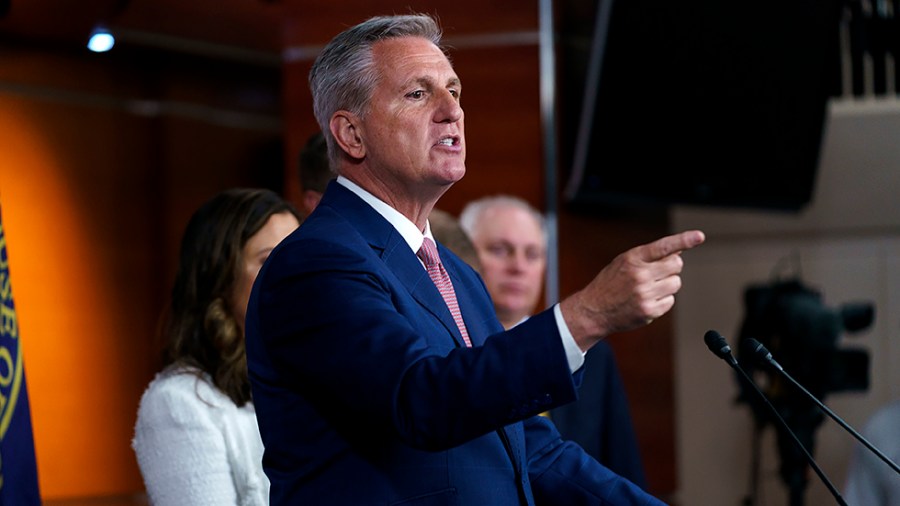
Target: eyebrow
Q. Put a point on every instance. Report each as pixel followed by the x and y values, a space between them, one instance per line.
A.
pixel 428 81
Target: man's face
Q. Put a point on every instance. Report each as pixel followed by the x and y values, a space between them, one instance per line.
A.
pixel 511 247
pixel 413 128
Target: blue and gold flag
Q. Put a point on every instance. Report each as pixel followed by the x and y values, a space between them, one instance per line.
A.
pixel 18 467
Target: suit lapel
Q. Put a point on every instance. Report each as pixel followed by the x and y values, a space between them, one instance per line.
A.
pixel 394 251
pixel 399 258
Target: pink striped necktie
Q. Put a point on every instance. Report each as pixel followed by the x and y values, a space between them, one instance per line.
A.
pixel 429 256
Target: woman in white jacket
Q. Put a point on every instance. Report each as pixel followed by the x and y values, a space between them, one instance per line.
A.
pixel 196 438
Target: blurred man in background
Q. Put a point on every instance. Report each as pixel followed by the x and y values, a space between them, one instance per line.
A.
pixel 511 242
pixel 314 172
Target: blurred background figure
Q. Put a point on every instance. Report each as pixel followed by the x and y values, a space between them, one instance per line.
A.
pixel 870 481
pixel 448 231
pixel 196 439
pixel 510 238
pixel 315 172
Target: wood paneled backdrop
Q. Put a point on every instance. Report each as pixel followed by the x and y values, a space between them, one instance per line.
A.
pixel 104 157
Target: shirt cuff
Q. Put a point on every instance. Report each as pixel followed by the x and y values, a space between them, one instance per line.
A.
pixel 574 355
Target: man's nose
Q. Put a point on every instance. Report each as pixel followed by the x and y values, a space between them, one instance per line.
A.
pixel 516 261
pixel 449 110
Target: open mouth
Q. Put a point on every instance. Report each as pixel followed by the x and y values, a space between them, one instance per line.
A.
pixel 448 141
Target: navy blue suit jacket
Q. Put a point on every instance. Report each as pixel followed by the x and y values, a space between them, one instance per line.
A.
pixel 366 395
pixel 599 421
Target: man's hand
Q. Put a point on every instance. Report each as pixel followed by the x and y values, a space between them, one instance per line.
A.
pixel 637 287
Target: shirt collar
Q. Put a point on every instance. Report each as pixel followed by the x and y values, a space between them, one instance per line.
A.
pixel 407 229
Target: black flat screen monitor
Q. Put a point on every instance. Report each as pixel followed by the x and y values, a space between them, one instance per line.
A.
pixel 708 102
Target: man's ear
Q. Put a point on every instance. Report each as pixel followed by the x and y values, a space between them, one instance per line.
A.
pixel 345 129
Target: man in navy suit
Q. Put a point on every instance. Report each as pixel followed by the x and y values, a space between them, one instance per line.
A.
pixel 371 385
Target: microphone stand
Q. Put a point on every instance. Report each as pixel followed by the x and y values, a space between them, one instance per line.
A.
pixel 762 354
pixel 720 348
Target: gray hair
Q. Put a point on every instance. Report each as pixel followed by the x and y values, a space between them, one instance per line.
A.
pixel 343 76
pixel 471 215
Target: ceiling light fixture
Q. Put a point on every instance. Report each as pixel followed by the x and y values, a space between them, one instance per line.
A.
pixel 101 40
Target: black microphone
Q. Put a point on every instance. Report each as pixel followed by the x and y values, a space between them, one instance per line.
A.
pixel 758 351
pixel 717 344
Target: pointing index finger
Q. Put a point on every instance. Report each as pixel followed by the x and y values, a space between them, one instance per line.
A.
pixel 668 245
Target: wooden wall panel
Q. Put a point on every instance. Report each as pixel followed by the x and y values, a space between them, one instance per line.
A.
pixel 103 160
pixel 503 137
pixel 309 26
pixel 79 259
pixel 299 123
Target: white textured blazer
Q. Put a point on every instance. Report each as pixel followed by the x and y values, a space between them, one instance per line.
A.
pixel 196 447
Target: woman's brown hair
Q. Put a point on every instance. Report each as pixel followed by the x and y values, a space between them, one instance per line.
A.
pixel 201 329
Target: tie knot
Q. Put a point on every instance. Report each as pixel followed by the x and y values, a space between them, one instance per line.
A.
pixel 428 253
